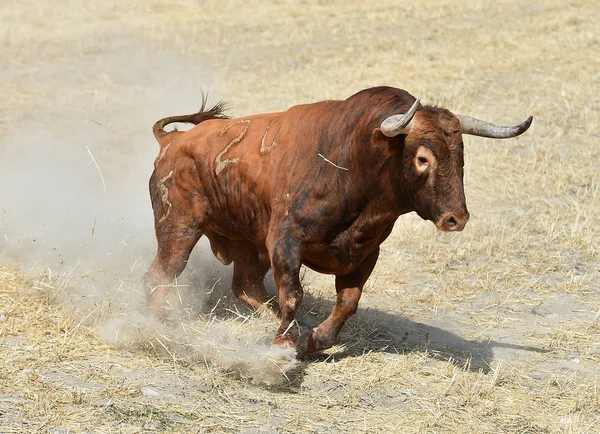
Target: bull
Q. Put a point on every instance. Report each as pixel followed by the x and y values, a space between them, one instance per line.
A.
pixel 319 185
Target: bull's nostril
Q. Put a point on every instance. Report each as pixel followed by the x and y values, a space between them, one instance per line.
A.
pixel 451 222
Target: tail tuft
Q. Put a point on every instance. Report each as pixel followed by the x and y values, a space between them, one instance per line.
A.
pixel 216 112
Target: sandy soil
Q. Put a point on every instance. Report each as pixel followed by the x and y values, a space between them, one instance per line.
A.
pixel 494 329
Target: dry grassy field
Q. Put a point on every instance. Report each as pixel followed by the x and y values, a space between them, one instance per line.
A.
pixel 495 329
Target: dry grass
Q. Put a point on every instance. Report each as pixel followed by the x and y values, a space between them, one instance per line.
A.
pixel 491 330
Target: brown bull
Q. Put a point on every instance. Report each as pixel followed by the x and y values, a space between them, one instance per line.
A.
pixel 320 184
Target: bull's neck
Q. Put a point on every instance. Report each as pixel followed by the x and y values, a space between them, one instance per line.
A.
pixel 381 186
pixel 402 196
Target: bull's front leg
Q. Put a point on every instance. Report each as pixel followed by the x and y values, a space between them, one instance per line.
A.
pixel 349 289
pixel 286 263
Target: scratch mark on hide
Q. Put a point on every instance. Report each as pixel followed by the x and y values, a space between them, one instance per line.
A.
pixel 221 164
pixel 224 130
pixel 162 153
pixel 267 148
pixel 332 163
pixel 164 196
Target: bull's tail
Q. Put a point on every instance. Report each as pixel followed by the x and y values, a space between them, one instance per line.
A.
pixel 216 112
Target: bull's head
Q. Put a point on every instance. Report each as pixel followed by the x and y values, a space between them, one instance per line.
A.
pixel 433 159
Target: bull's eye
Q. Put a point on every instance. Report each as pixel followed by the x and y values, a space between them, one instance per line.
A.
pixel 424 160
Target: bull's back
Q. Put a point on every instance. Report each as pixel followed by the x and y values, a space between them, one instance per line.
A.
pixel 251 167
pixel 235 160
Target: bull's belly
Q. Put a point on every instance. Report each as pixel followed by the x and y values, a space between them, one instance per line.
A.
pixel 340 257
pixel 326 260
pixel 226 248
pixel 329 269
pixel 337 260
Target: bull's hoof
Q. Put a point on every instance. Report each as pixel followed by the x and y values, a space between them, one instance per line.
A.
pixel 155 301
pixel 157 310
pixel 318 342
pixel 284 341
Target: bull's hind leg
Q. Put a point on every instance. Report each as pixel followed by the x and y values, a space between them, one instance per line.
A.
pixel 349 289
pixel 248 276
pixel 179 222
pixel 174 248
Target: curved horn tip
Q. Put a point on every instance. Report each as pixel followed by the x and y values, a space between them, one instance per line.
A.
pixel 522 127
pixel 525 125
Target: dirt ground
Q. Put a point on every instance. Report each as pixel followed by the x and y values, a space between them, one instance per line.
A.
pixel 494 329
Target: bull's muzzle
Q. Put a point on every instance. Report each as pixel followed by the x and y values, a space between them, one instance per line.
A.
pixel 453 222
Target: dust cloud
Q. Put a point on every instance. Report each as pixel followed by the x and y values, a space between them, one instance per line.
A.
pixel 75 212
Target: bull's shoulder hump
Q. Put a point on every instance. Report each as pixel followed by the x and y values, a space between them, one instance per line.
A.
pixel 315 106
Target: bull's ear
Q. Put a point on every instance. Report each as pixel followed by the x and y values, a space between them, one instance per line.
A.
pixel 380 136
pixel 386 146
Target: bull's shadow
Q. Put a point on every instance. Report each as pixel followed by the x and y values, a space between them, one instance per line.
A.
pixel 370 329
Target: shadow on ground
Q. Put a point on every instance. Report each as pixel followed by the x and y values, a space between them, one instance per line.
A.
pixel 370 330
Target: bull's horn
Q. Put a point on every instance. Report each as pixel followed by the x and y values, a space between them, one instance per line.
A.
pixel 399 124
pixel 476 127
